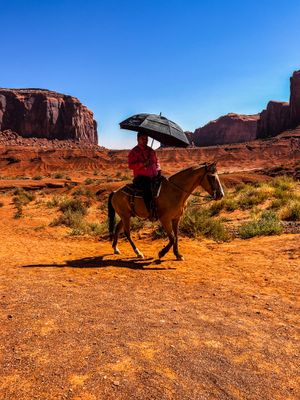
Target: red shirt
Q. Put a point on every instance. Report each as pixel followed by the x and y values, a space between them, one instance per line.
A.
pixel 137 158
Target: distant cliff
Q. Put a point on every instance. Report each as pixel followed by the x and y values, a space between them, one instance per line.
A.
pixel 235 128
pixel 230 128
pixel 46 114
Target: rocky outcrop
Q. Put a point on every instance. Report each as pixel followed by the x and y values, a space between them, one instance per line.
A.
pixel 273 120
pixel 230 128
pixel 280 116
pixel 295 100
pixel 46 114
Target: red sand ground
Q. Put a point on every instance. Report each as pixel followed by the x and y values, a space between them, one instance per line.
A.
pixel 80 323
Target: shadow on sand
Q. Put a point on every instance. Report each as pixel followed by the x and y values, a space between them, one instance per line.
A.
pixel 101 262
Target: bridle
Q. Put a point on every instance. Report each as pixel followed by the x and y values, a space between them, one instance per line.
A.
pixel 206 174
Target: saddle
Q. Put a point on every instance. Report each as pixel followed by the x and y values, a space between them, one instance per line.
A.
pixel 134 192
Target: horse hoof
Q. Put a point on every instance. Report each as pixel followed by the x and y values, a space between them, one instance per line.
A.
pixel 139 254
pixel 180 258
pixel 117 251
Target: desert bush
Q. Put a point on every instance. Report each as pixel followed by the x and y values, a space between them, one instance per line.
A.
pixel 242 187
pixel 136 224
pixel 58 175
pixel 98 229
pixel 200 223
pixel 75 206
pixel 291 212
pixel 19 212
pixel 88 181
pixel 37 178
pixel 230 204
pixel 216 208
pixel 276 204
pixel 22 197
pixel 158 232
pixel 82 191
pixel 267 224
pixel 251 198
pixel 70 219
pixel 283 183
pixel 56 201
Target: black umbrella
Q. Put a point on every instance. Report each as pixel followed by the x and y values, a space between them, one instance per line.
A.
pixel 158 127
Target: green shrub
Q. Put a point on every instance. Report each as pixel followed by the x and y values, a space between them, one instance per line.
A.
pixel 216 208
pixel 230 204
pixel 267 224
pixel 283 183
pixel 22 197
pixel 73 206
pixel 251 198
pixel 59 175
pixel 158 232
pixel 70 219
pixel 97 229
pixel 291 212
pixel 89 181
pixel 136 224
pixel 82 191
pixel 200 223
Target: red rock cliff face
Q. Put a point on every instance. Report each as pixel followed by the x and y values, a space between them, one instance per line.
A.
pixel 46 114
pixel 295 100
pixel 230 128
pixel 273 120
pixel 280 116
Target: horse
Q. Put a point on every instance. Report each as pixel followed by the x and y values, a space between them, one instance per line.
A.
pixel 170 203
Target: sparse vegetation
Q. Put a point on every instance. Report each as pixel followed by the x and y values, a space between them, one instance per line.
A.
pixel 88 181
pixel 20 199
pixel 267 224
pixel 291 212
pixel 200 223
pixel 59 175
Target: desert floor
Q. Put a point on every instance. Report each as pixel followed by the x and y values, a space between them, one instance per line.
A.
pixel 78 322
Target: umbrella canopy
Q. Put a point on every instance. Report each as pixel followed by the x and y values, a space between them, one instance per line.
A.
pixel 157 127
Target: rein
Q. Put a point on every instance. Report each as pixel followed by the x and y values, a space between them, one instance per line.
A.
pixel 191 194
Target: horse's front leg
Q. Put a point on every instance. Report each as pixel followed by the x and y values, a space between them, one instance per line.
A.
pixel 175 245
pixel 126 222
pixel 116 236
pixel 167 225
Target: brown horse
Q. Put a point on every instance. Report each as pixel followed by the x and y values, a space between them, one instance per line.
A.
pixel 169 204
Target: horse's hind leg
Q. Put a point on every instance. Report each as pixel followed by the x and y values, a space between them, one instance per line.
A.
pixel 175 245
pixel 168 228
pixel 126 223
pixel 116 236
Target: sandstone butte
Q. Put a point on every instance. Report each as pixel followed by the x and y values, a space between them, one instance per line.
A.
pixel 48 115
pixel 235 128
pixel 42 113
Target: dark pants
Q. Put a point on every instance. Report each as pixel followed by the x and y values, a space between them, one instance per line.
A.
pixel 145 184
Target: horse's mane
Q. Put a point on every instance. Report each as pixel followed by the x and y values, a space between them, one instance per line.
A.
pixel 185 171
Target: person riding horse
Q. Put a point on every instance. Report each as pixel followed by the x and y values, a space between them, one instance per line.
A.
pixel 143 161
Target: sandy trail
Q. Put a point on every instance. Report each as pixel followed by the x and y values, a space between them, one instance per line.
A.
pixel 80 323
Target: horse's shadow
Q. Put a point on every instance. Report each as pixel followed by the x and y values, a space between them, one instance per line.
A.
pixel 100 262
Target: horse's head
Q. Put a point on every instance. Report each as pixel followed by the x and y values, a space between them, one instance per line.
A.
pixel 211 183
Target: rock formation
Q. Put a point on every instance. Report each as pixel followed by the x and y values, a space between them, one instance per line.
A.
pixel 273 120
pixel 280 116
pixel 295 100
pixel 230 128
pixel 46 114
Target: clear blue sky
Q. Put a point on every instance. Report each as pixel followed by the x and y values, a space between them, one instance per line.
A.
pixel 191 60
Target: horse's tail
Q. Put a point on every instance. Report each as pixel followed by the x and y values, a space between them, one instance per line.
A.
pixel 111 217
